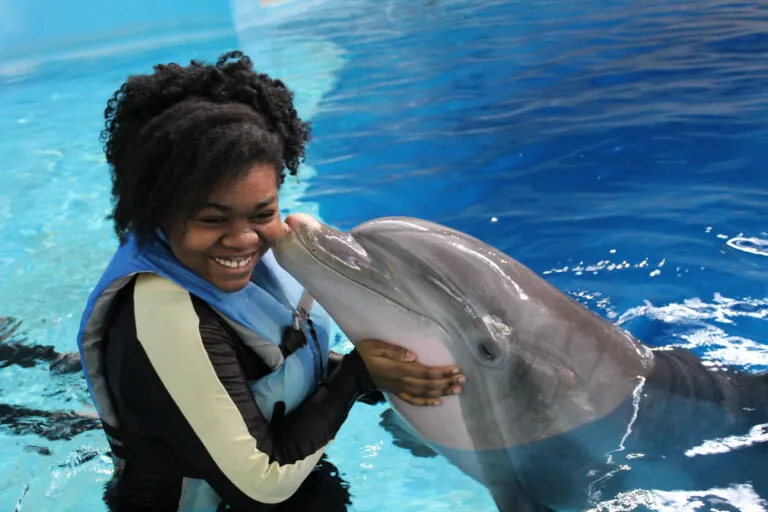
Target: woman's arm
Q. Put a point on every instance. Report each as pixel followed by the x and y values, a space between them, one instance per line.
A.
pixel 199 398
pixel 373 397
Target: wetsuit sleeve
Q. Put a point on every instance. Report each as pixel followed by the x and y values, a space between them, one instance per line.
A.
pixel 212 421
pixel 373 397
pixel 334 358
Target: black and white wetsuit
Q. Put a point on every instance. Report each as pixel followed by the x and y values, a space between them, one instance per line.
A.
pixel 186 410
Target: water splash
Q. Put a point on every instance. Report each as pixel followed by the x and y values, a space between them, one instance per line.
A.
pixel 743 497
pixel 757 434
pixel 721 309
pixel 751 245
pixel 695 326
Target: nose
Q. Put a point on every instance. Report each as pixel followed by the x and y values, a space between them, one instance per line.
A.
pixel 241 236
pixel 296 221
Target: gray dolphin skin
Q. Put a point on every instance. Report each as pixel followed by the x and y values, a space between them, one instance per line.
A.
pixel 561 409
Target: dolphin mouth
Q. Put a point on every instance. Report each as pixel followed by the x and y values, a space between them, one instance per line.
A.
pixel 295 235
pixel 297 228
pixel 328 245
pixel 342 254
pixel 336 250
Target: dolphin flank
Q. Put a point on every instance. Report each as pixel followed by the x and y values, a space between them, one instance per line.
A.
pixel 561 408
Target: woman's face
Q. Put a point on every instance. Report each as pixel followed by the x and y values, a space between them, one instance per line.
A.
pixel 225 239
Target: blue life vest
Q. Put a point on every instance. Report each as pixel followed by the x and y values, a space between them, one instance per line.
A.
pixel 259 314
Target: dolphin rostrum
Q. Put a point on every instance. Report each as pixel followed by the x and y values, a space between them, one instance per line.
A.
pixel 561 408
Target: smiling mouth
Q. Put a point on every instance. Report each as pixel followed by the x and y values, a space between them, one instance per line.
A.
pixel 236 262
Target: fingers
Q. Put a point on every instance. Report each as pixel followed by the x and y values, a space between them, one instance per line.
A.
pixel 439 385
pixel 420 371
pixel 379 348
pixel 396 354
pixel 407 397
pixel 423 390
pixel 395 370
pixel 431 382
pixel 431 393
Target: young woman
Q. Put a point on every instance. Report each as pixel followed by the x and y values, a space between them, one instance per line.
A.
pixel 215 387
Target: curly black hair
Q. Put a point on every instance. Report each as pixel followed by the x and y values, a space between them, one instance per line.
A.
pixel 170 137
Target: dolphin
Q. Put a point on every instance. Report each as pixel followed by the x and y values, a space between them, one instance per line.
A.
pixel 561 409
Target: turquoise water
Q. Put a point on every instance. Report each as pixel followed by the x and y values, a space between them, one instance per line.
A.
pixel 616 147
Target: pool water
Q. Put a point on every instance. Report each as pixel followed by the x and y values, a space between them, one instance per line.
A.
pixel 618 148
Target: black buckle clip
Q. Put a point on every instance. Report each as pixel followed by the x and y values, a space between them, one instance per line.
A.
pixel 294 337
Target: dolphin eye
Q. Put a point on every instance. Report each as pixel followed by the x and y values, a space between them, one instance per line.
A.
pixel 488 352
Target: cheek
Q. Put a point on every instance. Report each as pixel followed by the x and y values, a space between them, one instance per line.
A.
pixel 272 231
pixel 195 242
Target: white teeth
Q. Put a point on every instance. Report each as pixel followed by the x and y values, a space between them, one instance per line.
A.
pixel 234 262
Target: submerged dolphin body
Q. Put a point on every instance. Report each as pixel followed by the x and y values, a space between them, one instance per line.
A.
pixel 561 408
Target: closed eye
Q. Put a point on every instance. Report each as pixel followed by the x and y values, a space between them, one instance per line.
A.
pixel 213 220
pixel 262 216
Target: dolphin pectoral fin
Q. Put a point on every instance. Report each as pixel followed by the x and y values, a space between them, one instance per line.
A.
pixel 402 437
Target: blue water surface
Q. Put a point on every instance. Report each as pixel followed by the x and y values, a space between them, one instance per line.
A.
pixel 616 147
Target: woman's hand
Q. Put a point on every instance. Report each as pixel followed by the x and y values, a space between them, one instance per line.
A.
pixel 395 370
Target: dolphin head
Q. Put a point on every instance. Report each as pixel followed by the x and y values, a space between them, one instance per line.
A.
pixel 401 262
pixel 536 360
